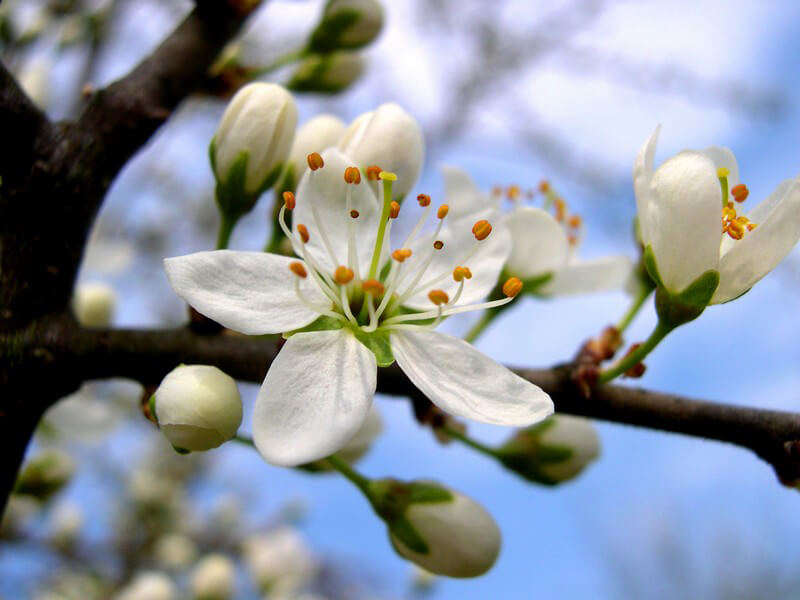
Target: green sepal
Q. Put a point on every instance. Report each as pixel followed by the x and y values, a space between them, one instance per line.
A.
pixel 524 454
pixel 231 194
pixel 151 404
pixel 181 450
pixel 404 531
pixel 676 309
pixel 651 266
pixel 530 286
pixel 378 343
pixel 428 493
pixel 326 37
pixel 323 323
pixel 312 75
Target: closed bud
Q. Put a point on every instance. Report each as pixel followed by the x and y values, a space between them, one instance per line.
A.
pixel 278 560
pixel 553 451
pixel 94 304
pixel 439 529
pixel 45 474
pixel 314 136
pixel 388 137
pixel 251 145
pixel 175 551
pixel 327 73
pixel 213 578
pixel 66 522
pixel 198 407
pixel 150 585
pixel 347 24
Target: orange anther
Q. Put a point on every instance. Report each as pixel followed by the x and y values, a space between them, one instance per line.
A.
pixel 544 186
pixel 303 231
pixel 354 213
pixel 315 161
pixel 740 192
pixel 438 244
pixel 343 275
pixel 443 210
pixel 575 221
pixel 461 273
pixel 512 287
pixel 401 254
pixel 298 269
pixel 374 172
pixel 394 210
pixel 373 287
pixel 513 191
pixel 352 175
pixel 482 229
pixel 561 209
pixel 438 297
pixel 289 201
pixel 572 239
pixel 424 199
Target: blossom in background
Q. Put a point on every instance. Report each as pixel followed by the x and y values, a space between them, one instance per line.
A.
pixel 688 220
pixel 544 247
pixel 352 304
pixel 279 561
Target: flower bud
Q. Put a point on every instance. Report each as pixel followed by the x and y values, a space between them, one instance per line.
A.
pixel 35 80
pixel 327 73
pixel 390 138
pixel 552 451
pixel 66 521
pixel 45 474
pixel 175 551
pixel 150 585
pixel 198 407
pixel 251 144
pixel 278 560
pixel 213 578
pixel 439 529
pixel 347 24
pixel 94 304
pixel 314 136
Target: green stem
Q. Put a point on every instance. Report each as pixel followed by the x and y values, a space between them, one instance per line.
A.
pixel 226 226
pixel 345 469
pixel 376 253
pixel 453 433
pixel 635 357
pixel 486 318
pixel 644 293
pixel 279 62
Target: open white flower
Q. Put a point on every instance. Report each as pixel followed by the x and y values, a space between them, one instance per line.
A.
pixel 544 247
pixel 687 217
pixel 361 305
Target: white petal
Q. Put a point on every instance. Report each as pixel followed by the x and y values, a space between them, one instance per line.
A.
pixel 539 243
pixel 251 292
pixel 315 397
pixel 326 190
pixel 581 277
pixel 642 175
pixel 749 259
pixel 461 193
pixel 684 219
pixel 723 157
pixel 486 264
pixel 465 382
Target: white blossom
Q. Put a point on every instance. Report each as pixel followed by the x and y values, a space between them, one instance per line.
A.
pixel 279 561
pixel 150 585
pixel 213 578
pixel 94 304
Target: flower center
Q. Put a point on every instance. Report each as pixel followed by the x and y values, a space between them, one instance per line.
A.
pixel 732 224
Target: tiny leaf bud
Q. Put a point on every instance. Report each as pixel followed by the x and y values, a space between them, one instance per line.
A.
pixel 347 24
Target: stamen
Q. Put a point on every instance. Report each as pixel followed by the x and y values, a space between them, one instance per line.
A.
pixel 740 192
pixel 373 287
pixel 512 287
pixel 544 186
pixel 438 244
pixel 424 217
pixel 303 231
pixel 352 175
pixel 343 275
pixel 446 313
pixel 401 254
pixel 374 172
pixel 315 307
pixel 298 269
pixel 575 221
pixel 354 213
pixel 315 161
pixel 288 200
pixel 482 229
pixel 442 212
pixel 352 254
pixel 424 199
pixel 497 190
pixel 394 210
pixel 561 209
pixel 461 273
pixel 438 297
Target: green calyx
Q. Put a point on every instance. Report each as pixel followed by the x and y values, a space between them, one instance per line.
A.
pixel 329 35
pixel 524 454
pixel 376 341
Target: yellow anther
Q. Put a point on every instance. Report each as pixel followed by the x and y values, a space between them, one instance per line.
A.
pixel 438 297
pixel 298 269
pixel 461 273
pixel 482 229
pixel 303 231
pixel 401 254
pixel 424 199
pixel 561 209
pixel 544 186
pixel 575 221
pixel 443 210
pixel 343 275
pixel 315 161
pixel 373 287
pixel 512 287
pixel 751 226
pixel 354 213
pixel 394 210
pixel 388 176
pixel 438 244
pixel 352 175
pixel 289 201
pixel 373 172
pixel 740 192
pixel 723 172
pixel 513 192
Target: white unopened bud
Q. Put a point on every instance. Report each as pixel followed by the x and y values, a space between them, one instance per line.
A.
pixel 35 80
pixel 66 521
pixel 391 139
pixel 175 551
pixel 198 407
pixel 313 136
pixel 94 304
pixel 327 73
pixel 149 585
pixel 577 437
pixel 213 578
pixel 347 24
pixel 462 539
pixel 278 560
pixel 258 128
